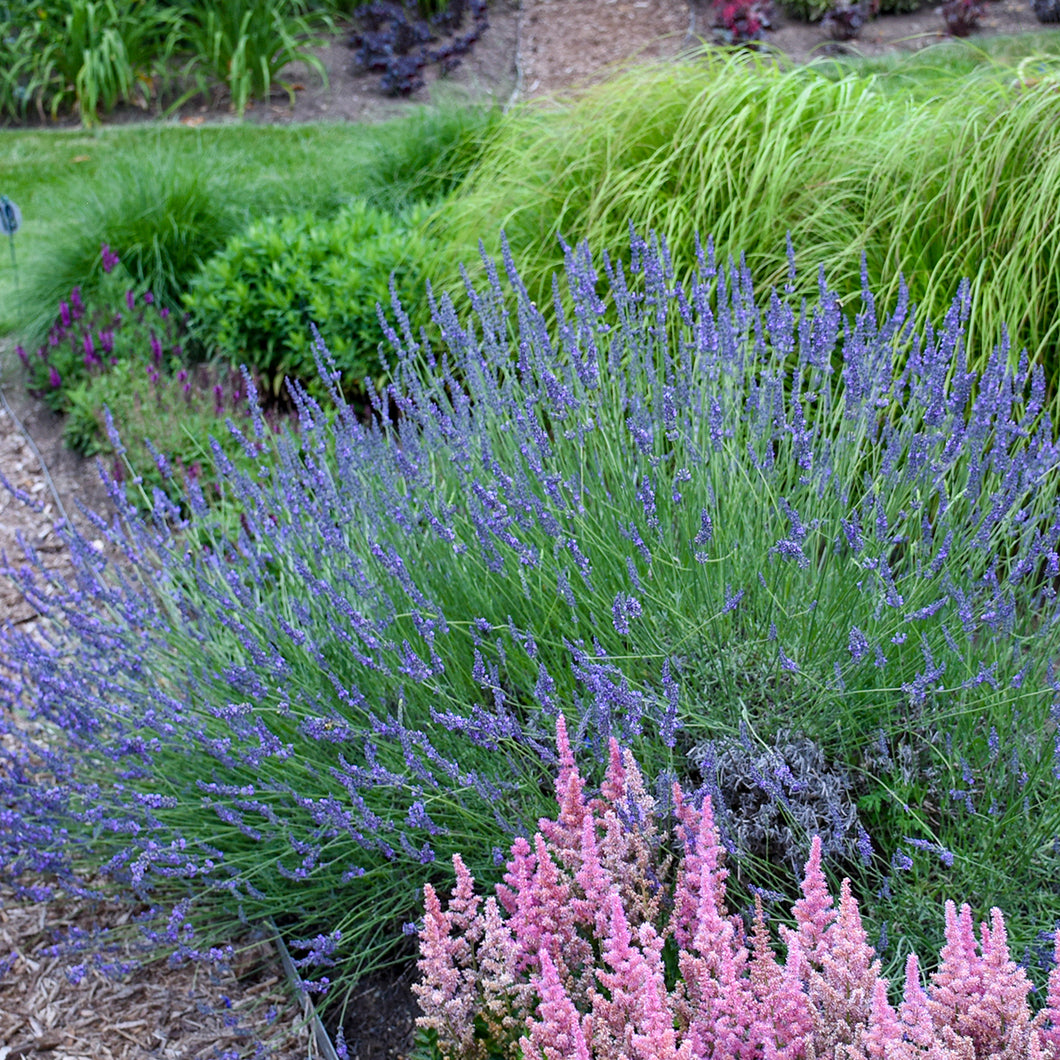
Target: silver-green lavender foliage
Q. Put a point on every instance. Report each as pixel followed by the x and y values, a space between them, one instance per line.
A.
pixel 306 721
pixel 777 797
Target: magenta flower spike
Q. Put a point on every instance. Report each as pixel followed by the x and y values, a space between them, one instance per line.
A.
pixel 565 832
pixel 614 786
pixel 594 883
pixel 702 850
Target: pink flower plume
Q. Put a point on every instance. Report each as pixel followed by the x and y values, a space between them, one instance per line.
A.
pixel 557 1032
pixel 813 912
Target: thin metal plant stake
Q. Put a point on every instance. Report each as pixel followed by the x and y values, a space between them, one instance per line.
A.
pixel 10 222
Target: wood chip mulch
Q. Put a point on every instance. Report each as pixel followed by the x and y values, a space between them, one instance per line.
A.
pixel 158 1011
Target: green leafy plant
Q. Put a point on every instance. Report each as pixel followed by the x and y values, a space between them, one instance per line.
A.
pixel 168 416
pixel 245 44
pixel 423 158
pixel 92 53
pixel 256 300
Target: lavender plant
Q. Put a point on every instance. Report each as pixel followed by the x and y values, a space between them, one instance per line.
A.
pixel 304 719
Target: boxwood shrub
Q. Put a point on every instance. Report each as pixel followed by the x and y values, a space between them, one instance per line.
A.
pixel 254 301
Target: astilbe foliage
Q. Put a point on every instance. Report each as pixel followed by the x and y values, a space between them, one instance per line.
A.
pixel 583 966
pixel 302 712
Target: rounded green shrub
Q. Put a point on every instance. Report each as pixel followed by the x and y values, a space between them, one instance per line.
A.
pixel 255 301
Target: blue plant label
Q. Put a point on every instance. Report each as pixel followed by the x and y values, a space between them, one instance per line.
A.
pixel 10 217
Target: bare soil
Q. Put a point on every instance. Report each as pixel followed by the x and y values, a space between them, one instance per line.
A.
pixel 530 51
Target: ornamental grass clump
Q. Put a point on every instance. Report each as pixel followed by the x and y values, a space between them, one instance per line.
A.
pixel 687 507
pixel 597 946
pixel 860 172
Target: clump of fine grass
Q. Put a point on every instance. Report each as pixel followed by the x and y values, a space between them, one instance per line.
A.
pixel 163 213
pixel 424 157
pixel 961 185
pixel 926 73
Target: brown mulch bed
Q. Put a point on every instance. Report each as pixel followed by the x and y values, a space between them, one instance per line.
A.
pixel 159 1011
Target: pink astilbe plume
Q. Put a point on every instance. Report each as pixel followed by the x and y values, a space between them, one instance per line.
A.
pixel 521 867
pixel 628 849
pixel 718 990
pixel 981 997
pixel 1050 1034
pixel 557 1032
pixel 915 1010
pixel 841 991
pixel 956 989
pixel 446 991
pixel 699 836
pixel 463 907
pixel 782 1012
pixel 1006 989
pixel 594 883
pixel 655 1037
pixel 624 980
pixel 884 1038
pixel 813 912
pixel 543 919
pixel 505 999
pixel 615 783
pixel 564 834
